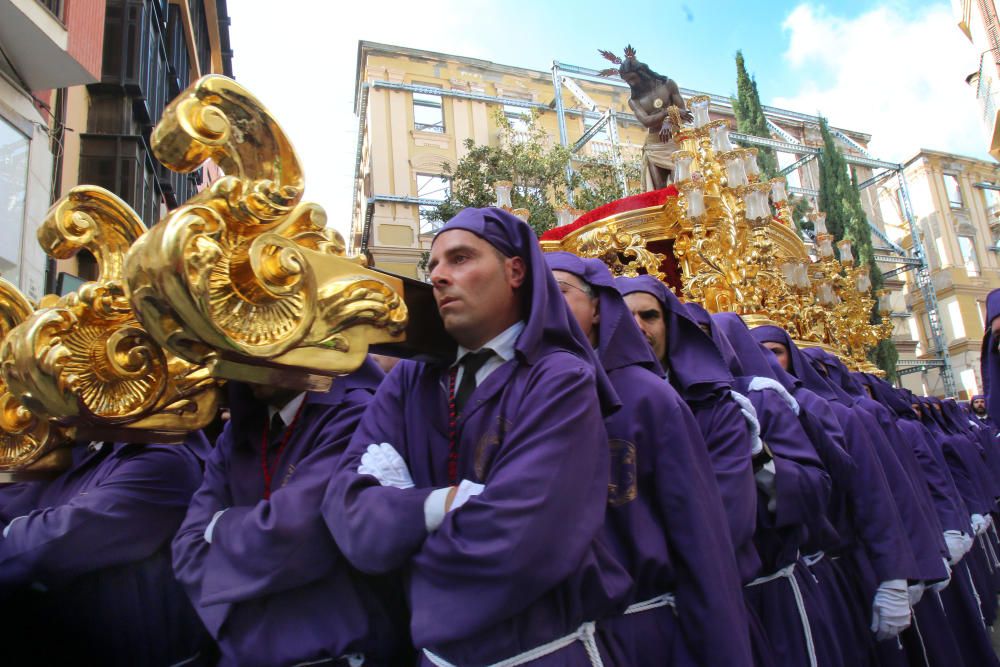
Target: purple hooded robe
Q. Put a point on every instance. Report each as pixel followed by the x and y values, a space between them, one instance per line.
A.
pixel 665 519
pixel 807 486
pixel 700 375
pixel 523 563
pixel 85 572
pixel 272 587
pixel 989 359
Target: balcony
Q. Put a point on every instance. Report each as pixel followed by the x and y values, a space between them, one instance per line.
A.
pixel 36 42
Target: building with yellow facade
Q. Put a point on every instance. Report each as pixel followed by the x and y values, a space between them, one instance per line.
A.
pixel 956 204
pixel 979 22
pixel 417 108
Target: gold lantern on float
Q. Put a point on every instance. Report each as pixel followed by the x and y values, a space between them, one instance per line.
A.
pixel 722 237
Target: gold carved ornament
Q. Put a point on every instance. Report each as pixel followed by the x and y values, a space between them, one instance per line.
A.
pixel 244 278
pixel 733 253
pixel 84 362
pixel 27 442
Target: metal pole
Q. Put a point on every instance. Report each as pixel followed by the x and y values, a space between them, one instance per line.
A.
pixel 563 134
pixel 926 285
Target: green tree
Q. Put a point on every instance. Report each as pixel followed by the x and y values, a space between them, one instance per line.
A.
pixel 840 198
pixel 750 120
pixel 750 117
pixel 536 165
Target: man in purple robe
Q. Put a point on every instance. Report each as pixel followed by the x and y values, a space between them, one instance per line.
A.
pixel 698 372
pixel 881 562
pixel 665 519
pixel 254 552
pixel 85 575
pixel 488 478
pixel 990 356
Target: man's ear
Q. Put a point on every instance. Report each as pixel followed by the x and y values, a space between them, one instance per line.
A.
pixel 597 310
pixel 515 271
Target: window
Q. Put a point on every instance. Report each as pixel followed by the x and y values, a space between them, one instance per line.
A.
pixel 431 187
pixel 518 117
pixel 954 190
pixel 13 186
pixel 428 113
pixel 602 135
pixel 13 174
pixel 968 247
pixel 992 198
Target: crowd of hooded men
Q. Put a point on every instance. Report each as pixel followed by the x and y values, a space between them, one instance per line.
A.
pixel 602 476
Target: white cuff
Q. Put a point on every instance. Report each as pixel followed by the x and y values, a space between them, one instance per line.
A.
pixel 6 528
pixel 210 528
pixel 434 508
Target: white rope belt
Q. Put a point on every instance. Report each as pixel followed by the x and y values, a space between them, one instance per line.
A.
pixel 789 574
pixel 665 600
pixel 584 634
pixel 812 559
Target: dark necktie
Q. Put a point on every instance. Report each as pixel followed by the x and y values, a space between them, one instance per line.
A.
pixel 471 363
pixel 275 430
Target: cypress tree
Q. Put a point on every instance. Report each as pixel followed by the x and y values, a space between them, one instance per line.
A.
pixel 840 198
pixel 750 117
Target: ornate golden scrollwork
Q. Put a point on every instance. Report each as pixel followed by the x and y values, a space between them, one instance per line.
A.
pixel 244 278
pixel 84 362
pixel 26 441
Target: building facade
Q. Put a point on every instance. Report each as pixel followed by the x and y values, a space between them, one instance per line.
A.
pixel 416 110
pixel 46 47
pixel 956 204
pixel 979 22
pixel 81 88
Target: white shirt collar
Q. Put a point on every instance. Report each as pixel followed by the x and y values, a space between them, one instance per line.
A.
pixel 288 412
pixel 502 345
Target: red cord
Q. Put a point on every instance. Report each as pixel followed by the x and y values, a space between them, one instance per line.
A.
pixel 286 436
pixel 452 430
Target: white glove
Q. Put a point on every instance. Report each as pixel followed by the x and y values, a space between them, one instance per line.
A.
pixel 766 482
pixel 466 490
pixel 434 505
pixel 890 609
pixel 979 524
pixel 385 464
pixel 939 586
pixel 915 592
pixel 210 528
pixel 750 415
pixel 957 546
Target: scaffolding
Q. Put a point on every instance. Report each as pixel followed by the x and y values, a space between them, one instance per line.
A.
pixel 563 77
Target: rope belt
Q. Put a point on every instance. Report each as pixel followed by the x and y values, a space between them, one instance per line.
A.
pixel 665 600
pixel 789 574
pixel 812 559
pixel 584 634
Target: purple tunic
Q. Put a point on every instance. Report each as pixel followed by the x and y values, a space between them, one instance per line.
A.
pixel 88 564
pixel 272 587
pixel 990 358
pixel 665 520
pixel 702 378
pixel 523 563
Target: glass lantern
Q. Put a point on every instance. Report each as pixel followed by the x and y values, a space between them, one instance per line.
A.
pixel 778 193
pixel 503 188
pixel 846 256
pixel 699 109
pixel 682 165
pixel 736 172
pixel 819 221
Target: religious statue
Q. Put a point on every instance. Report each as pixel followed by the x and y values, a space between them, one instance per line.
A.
pixel 652 97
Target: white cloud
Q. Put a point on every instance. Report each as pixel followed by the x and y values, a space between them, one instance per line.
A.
pixel 898 76
pixel 299 57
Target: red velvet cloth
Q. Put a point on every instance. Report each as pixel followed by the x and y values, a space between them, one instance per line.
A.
pixel 644 200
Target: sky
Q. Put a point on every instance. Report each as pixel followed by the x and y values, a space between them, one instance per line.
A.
pixel 893 69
